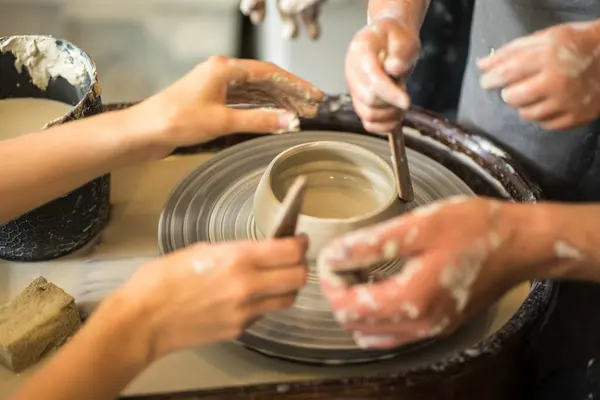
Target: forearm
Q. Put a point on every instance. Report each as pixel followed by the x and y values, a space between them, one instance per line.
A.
pixel 411 11
pixel 42 166
pixel 99 361
pixel 564 238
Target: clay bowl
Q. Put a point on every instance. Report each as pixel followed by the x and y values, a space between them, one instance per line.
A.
pixel 71 221
pixel 348 187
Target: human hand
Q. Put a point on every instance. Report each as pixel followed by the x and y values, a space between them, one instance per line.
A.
pixel 462 256
pixel 208 293
pixel 194 109
pixel 289 11
pixel 381 53
pixel 551 77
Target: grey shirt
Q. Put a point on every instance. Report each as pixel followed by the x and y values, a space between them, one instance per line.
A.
pixel 565 163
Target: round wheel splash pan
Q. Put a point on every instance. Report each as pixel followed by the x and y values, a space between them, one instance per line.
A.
pixel 214 204
pixel 494 367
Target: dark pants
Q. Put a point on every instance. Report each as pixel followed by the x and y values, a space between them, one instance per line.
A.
pixel 435 84
pixel 566 356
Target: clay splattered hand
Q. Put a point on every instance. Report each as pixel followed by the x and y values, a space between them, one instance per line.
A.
pixel 290 11
pixel 458 264
pixel 209 293
pixel 388 46
pixel 194 109
pixel 551 77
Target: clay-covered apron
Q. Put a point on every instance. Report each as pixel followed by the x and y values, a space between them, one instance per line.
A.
pixel 565 163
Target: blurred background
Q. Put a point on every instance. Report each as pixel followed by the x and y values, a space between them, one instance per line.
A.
pixel 141 46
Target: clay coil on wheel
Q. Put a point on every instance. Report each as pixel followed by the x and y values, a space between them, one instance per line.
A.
pixel 214 204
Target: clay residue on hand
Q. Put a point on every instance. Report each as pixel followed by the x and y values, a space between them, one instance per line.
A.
pixel 459 277
pixel 563 249
pixel 44 60
pixel 277 91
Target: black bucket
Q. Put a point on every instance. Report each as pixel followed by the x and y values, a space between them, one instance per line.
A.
pixel 68 223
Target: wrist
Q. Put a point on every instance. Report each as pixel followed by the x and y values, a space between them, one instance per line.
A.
pixel 142 134
pixel 528 249
pixel 125 325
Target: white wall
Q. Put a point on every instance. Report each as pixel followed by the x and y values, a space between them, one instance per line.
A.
pixel 321 62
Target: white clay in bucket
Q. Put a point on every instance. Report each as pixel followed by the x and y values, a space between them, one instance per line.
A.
pixel 23 116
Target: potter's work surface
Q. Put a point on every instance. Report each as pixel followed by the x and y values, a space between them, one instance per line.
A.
pixel 22 116
pixel 130 240
pixel 214 204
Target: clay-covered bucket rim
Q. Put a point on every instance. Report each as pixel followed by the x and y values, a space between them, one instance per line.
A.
pixel 92 89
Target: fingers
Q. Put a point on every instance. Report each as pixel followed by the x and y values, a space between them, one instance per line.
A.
pixel 381 85
pixel 368 246
pixel 310 17
pixel 280 281
pixel 402 53
pixel 380 341
pixel 406 307
pixel 526 93
pixel 378 115
pixel 268 305
pixel 255 9
pixel 233 72
pixel 293 7
pixel 540 112
pixel 278 253
pixel 510 70
pixel 258 82
pixel 523 44
pixel 307 10
pixel 378 52
pixel 260 121
pixel 290 26
pixel 560 122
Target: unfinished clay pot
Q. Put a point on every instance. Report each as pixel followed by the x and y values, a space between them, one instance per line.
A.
pixel 348 187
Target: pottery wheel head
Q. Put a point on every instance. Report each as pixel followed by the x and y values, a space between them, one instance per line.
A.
pixel 214 204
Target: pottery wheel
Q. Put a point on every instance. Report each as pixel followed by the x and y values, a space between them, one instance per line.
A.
pixel 214 203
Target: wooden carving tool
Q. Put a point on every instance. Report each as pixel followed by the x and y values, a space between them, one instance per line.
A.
pixel 400 165
pixel 404 187
pixel 288 217
pixel 399 159
pixel 291 208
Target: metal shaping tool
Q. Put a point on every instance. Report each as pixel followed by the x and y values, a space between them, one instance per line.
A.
pixel 292 206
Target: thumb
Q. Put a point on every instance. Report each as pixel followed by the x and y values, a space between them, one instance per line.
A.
pixel 261 120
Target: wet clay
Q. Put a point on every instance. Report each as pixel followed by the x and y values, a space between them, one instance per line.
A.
pixel 22 116
pixel 339 186
pixel 348 187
